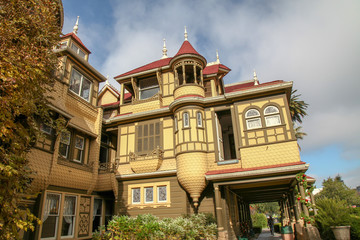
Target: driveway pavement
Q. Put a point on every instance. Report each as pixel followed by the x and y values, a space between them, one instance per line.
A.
pixel 266 235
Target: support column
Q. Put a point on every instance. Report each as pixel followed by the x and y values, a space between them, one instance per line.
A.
pixel 201 77
pixel 219 213
pixel 312 199
pixel 184 74
pixel 122 92
pixel 176 78
pixel 303 205
pixel 195 75
pixel 295 207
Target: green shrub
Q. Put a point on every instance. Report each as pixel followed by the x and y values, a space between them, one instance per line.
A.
pixel 197 226
pixel 259 220
pixel 335 212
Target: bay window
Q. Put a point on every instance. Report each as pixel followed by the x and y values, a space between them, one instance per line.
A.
pixel 148 87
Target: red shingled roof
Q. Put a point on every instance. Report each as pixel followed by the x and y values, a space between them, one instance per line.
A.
pixel 234 170
pixel 77 39
pixel 214 69
pixel 247 85
pixel 186 48
pixel 156 64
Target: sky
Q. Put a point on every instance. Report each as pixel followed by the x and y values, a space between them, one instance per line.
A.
pixel 315 44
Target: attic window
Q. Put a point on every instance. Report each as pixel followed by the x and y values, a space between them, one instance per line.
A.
pixel 78 50
pixel 148 87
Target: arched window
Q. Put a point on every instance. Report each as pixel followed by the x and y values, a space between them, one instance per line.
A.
pixel 272 116
pixel 199 120
pixel 186 120
pixel 253 120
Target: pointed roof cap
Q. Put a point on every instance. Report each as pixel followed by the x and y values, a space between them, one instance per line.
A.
pixel 77 39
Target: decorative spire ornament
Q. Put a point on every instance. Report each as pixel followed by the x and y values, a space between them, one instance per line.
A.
pixel 255 78
pixel 107 80
pixel 217 57
pixel 185 34
pixel 76 27
pixel 164 50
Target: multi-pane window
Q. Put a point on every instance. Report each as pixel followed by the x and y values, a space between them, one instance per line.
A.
pixel 199 120
pixel 136 195
pixel 51 215
pixel 148 137
pixel 148 87
pixel 68 223
pixel 253 119
pixel 161 194
pixel 78 50
pixel 97 211
pixel 186 120
pixel 149 194
pixel 272 116
pixel 80 85
pixel 79 148
pixel 64 144
pixel 45 128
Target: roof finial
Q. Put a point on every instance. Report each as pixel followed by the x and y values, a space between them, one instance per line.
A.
pixel 107 80
pixel 185 34
pixel 164 50
pixel 217 57
pixel 76 27
pixel 255 78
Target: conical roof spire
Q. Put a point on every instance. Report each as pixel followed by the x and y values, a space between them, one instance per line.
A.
pixel 76 27
pixel 185 34
pixel 164 50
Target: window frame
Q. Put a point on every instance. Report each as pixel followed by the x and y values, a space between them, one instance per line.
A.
pixel 73 215
pixel 78 50
pixel 81 150
pixel 67 145
pixel 96 214
pixel 151 87
pixel 251 118
pixel 271 115
pixel 57 215
pixel 82 79
pixel 142 140
pixel 158 193
pixel 186 119
pixel 132 195
pixel 155 194
pixel 146 195
pixel 72 149
pixel 199 119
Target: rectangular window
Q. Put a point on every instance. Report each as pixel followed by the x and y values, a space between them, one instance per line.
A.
pixel 64 144
pixel 68 223
pixel 80 85
pixel 225 135
pixel 273 120
pixel 162 194
pixel 136 195
pixel 97 211
pixel 78 50
pixel 148 87
pixel 51 215
pixel 186 121
pixel 148 137
pixel 79 148
pixel 149 194
pixel 253 123
pixel 45 128
pixel 199 119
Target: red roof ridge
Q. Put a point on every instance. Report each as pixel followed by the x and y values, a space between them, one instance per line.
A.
pixel 234 170
pixel 149 66
pixel 248 85
pixel 76 39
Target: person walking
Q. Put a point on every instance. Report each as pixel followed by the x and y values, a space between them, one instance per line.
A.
pixel 271 225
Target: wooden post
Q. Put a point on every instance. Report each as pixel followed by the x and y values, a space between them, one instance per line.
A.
pixel 122 92
pixel 313 203
pixel 219 210
pixel 303 205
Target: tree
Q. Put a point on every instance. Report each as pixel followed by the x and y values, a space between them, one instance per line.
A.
pixel 336 189
pixel 29 30
pixel 268 208
pixel 297 112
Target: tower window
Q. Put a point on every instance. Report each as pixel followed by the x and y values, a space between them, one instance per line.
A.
pixel 148 87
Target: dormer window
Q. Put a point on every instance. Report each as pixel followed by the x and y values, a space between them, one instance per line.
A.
pixel 80 85
pixel 148 87
pixel 80 52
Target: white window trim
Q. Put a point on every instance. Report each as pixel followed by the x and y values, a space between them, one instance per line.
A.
pixel 252 118
pixel 275 114
pixel 78 50
pixel 80 149
pixel 143 203
pixel 148 88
